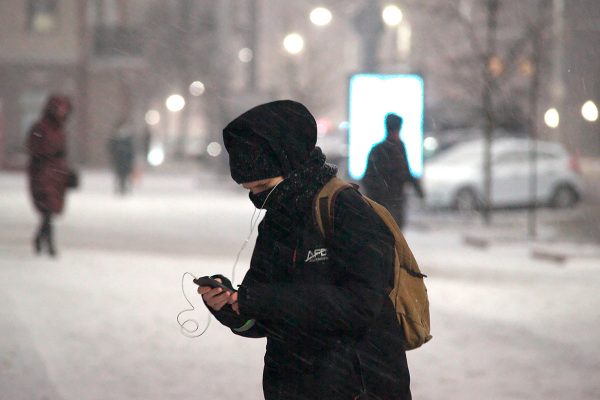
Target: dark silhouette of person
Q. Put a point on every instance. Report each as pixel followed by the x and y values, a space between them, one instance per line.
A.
pixel 121 148
pixel 48 170
pixel 388 171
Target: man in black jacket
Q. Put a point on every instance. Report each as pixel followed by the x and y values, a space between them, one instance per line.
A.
pixel 323 305
pixel 388 171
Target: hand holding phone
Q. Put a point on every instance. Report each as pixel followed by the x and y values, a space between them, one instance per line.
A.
pixel 212 283
pixel 212 297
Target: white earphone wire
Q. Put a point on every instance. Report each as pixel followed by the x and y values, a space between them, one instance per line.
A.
pixel 190 332
pixel 253 224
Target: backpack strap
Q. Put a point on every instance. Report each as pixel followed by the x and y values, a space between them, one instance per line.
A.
pixel 323 204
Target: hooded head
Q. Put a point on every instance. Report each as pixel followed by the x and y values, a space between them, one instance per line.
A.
pixel 58 108
pixel 269 140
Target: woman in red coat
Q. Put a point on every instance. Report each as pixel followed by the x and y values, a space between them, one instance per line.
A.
pixel 48 168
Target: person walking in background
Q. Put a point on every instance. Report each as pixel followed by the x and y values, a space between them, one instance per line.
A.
pixel 122 155
pixel 146 143
pixel 48 170
pixel 388 171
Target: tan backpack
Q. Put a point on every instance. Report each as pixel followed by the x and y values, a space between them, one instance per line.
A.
pixel 409 294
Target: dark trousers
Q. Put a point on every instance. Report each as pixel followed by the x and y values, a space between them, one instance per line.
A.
pixel 397 207
pixel 44 236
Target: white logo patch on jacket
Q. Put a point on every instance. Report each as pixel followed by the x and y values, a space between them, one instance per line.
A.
pixel 317 255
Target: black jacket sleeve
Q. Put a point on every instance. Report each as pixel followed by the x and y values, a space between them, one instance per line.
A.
pixel 239 324
pixel 363 247
pixel 416 183
pixel 374 181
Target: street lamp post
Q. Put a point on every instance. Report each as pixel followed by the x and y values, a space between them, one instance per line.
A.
pixel 536 58
pixel 533 116
pixel 488 81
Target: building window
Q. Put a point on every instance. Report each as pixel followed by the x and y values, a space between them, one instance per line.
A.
pixel 42 15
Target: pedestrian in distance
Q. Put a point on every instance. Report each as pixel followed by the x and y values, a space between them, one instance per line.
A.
pixel 322 304
pixel 121 148
pixel 388 171
pixel 48 172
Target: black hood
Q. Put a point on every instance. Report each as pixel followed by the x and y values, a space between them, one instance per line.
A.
pixel 269 140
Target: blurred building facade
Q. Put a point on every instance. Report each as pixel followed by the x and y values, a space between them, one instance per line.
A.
pixel 121 58
pixel 40 53
pixel 88 50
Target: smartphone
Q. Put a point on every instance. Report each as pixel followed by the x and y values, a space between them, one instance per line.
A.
pixel 212 283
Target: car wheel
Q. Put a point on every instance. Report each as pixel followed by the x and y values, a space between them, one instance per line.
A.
pixel 564 196
pixel 466 200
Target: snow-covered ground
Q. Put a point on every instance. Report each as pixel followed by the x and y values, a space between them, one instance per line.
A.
pixel 99 322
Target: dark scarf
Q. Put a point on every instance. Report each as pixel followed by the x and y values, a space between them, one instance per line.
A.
pixel 292 199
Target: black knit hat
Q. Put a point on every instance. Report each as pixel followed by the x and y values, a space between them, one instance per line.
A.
pixel 269 140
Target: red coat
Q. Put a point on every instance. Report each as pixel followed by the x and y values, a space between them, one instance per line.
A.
pixel 48 168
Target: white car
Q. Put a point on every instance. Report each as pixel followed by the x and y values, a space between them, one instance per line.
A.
pixel 454 178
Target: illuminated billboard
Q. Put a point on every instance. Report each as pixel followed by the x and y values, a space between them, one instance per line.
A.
pixel 372 96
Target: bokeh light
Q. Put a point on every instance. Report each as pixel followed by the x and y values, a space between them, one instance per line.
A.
pixel 214 149
pixel 175 103
pixel 320 16
pixel 552 118
pixel 293 43
pixel 245 55
pixel 589 111
pixel 197 88
pixel 392 15
pixel 156 156
pixel 152 117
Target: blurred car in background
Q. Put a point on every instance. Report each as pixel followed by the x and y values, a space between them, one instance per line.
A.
pixel 454 178
pixel 438 142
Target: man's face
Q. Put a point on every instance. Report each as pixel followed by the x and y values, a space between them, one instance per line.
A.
pixel 260 186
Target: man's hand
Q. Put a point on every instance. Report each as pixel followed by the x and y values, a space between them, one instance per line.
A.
pixel 217 298
pixel 233 300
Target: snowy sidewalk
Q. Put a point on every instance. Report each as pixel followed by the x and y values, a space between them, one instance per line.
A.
pixel 99 321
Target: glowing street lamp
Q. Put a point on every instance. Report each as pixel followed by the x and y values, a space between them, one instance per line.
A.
pixel 552 118
pixel 589 111
pixel 293 43
pixel 320 16
pixel 392 15
pixel 175 103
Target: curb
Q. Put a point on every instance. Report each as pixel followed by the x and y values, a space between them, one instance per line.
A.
pixel 558 253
